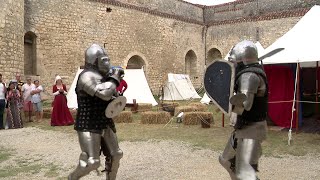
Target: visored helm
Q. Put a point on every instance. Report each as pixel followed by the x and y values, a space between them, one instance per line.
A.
pixel 244 52
pixel 95 55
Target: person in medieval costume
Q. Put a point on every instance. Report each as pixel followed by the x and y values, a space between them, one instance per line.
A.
pixel 250 106
pixel 95 89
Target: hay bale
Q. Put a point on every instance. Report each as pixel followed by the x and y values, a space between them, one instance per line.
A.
pixel 155 117
pixel 171 104
pixel 169 107
pixel 199 106
pixel 185 109
pixel 73 113
pixel 124 117
pixel 47 113
pixel 48 110
pixel 195 118
pixel 144 107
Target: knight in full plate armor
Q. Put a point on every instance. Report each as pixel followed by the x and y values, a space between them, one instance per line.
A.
pixel 95 89
pixel 250 107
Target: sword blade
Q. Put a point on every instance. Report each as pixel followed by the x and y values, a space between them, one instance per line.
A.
pixel 271 53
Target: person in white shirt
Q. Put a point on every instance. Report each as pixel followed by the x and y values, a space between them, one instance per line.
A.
pixel 3 91
pixel 36 100
pixel 27 105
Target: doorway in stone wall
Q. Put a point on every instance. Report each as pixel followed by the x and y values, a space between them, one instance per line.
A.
pixel 213 55
pixel 30 61
pixel 136 62
pixel 191 65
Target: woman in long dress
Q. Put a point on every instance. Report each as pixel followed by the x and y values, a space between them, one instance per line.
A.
pixel 60 115
pixel 13 111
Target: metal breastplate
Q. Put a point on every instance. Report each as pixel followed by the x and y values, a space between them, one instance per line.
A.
pixel 91 113
pixel 259 109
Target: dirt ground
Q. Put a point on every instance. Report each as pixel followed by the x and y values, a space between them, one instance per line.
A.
pixel 57 152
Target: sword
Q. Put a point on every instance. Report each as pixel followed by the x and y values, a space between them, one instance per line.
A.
pixel 271 53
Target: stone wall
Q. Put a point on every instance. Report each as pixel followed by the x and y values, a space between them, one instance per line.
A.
pixel 172 7
pixel 250 8
pixel 11 38
pixel 223 37
pixel 65 29
pixel 165 34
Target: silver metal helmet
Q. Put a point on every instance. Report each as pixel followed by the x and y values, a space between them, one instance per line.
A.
pixel 95 55
pixel 245 52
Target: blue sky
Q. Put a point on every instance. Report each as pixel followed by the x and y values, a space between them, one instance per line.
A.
pixel 209 2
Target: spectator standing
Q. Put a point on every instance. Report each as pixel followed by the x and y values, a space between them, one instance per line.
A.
pixel 60 115
pixel 3 91
pixel 122 85
pixel 27 104
pixel 19 82
pixel 36 100
pixel 13 110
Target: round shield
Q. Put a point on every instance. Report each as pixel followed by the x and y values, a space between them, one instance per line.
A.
pixel 115 107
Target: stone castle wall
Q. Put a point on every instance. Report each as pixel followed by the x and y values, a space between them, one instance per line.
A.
pixel 11 38
pixel 161 32
pixel 223 37
pixel 65 29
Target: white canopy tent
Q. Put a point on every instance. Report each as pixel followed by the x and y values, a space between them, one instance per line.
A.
pixel 138 88
pixel 179 87
pixel 301 46
pixel 301 43
pixel 205 99
pixel 72 96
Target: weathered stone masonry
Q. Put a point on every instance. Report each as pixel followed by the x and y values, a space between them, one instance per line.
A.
pixel 165 35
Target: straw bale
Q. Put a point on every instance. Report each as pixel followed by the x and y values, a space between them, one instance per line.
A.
pixel 73 113
pixel 185 109
pixel 200 106
pixel 174 104
pixel 144 107
pixel 155 117
pixel 124 117
pixel 195 118
pixel 47 113
pixel 169 107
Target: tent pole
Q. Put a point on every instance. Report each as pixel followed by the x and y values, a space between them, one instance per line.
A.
pixel 222 119
pixel 317 88
pixel 297 97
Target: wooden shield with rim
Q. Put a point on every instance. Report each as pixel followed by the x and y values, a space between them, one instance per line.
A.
pixel 219 84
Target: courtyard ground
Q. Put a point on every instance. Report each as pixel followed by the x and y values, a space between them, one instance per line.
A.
pixel 152 152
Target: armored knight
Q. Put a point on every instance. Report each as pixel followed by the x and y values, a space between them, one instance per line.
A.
pixel 250 106
pixel 95 89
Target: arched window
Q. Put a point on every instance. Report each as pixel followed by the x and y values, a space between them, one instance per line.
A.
pixel 213 54
pixel 191 64
pixel 30 60
pixel 136 62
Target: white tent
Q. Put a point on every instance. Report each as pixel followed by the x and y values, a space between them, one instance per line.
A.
pixel 301 43
pixel 179 87
pixel 138 88
pixel 72 96
pixel 260 49
pixel 205 99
